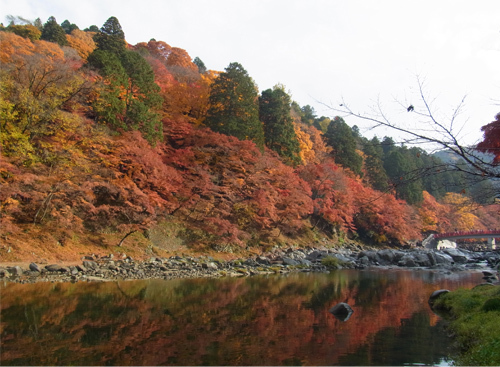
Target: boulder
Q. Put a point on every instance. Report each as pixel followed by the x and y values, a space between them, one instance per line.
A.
pixel 314 255
pixel 458 256
pixel 421 259
pixel 263 260
pixel 4 273
pixel 89 264
pixel 436 294
pixel 15 270
pixel 53 267
pixel 288 261
pixel 407 261
pixel 35 267
pixel 209 265
pixel 341 311
pixel 442 258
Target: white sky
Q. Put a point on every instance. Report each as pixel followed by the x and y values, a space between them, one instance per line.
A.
pixel 323 51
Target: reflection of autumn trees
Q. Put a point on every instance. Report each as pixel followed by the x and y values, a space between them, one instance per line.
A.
pixel 253 321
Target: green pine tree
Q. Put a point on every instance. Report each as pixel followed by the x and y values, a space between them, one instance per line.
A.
pixel 279 132
pixel 374 165
pixel 340 137
pixel 53 32
pixel 234 106
pixel 129 99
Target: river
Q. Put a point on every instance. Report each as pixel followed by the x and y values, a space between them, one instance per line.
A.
pixel 272 320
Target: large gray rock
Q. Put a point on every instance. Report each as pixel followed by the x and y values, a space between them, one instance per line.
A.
pixel 421 259
pixel 53 267
pixel 458 256
pixel 407 261
pixel 209 265
pixel 315 255
pixel 341 311
pixel 288 261
pixel 15 270
pixel 436 294
pixel 89 264
pixel 35 267
pixel 263 260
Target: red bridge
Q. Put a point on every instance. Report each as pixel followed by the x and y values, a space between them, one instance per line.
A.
pixel 495 233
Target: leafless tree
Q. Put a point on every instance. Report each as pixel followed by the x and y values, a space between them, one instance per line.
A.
pixel 427 129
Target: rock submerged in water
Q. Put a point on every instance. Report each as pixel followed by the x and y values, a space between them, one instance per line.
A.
pixel 436 294
pixel 341 311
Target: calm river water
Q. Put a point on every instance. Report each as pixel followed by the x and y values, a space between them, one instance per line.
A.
pixel 275 320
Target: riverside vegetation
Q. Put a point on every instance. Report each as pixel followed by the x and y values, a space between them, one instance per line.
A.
pixel 474 317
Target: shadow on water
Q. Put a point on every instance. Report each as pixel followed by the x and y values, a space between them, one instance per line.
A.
pixel 275 320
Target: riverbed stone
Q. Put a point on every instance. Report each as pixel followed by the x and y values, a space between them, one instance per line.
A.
pixel 436 294
pixel 89 264
pixel 53 267
pixel 458 256
pixel 209 265
pixel 35 267
pixel 263 260
pixel 15 270
pixel 289 261
pixel 407 261
pixel 341 311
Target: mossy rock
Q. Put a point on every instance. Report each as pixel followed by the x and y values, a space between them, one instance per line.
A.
pixel 493 304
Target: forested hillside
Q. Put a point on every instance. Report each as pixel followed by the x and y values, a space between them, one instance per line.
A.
pixel 108 144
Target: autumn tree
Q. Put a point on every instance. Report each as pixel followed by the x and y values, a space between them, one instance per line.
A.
pixel 25 31
pixel 491 139
pixel 279 132
pixel 234 106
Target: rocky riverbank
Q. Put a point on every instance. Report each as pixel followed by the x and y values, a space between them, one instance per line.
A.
pixel 110 268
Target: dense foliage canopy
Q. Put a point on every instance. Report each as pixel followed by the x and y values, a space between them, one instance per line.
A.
pixel 105 137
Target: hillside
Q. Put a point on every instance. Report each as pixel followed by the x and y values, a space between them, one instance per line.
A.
pixel 109 147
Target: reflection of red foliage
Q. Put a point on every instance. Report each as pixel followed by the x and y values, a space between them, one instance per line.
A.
pixel 251 323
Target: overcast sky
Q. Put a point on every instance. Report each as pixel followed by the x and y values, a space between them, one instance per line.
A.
pixel 324 51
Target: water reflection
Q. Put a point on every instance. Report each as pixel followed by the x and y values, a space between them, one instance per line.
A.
pixel 244 321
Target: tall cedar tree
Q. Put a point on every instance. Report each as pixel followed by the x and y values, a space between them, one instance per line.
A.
pixel 340 137
pixel 234 109
pixel 53 32
pixel 129 98
pixel 111 37
pixel 401 169
pixel 374 165
pixel 279 131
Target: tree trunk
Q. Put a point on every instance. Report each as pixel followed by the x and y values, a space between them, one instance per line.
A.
pixel 128 234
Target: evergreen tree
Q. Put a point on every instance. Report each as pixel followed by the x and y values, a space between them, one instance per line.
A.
pixel 68 27
pixel 374 165
pixel 111 37
pixel 234 106
pixel 279 131
pixel 202 69
pixel 53 32
pixel 340 137
pixel 129 99
pixel 402 171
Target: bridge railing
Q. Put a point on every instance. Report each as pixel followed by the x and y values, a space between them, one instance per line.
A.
pixel 488 233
